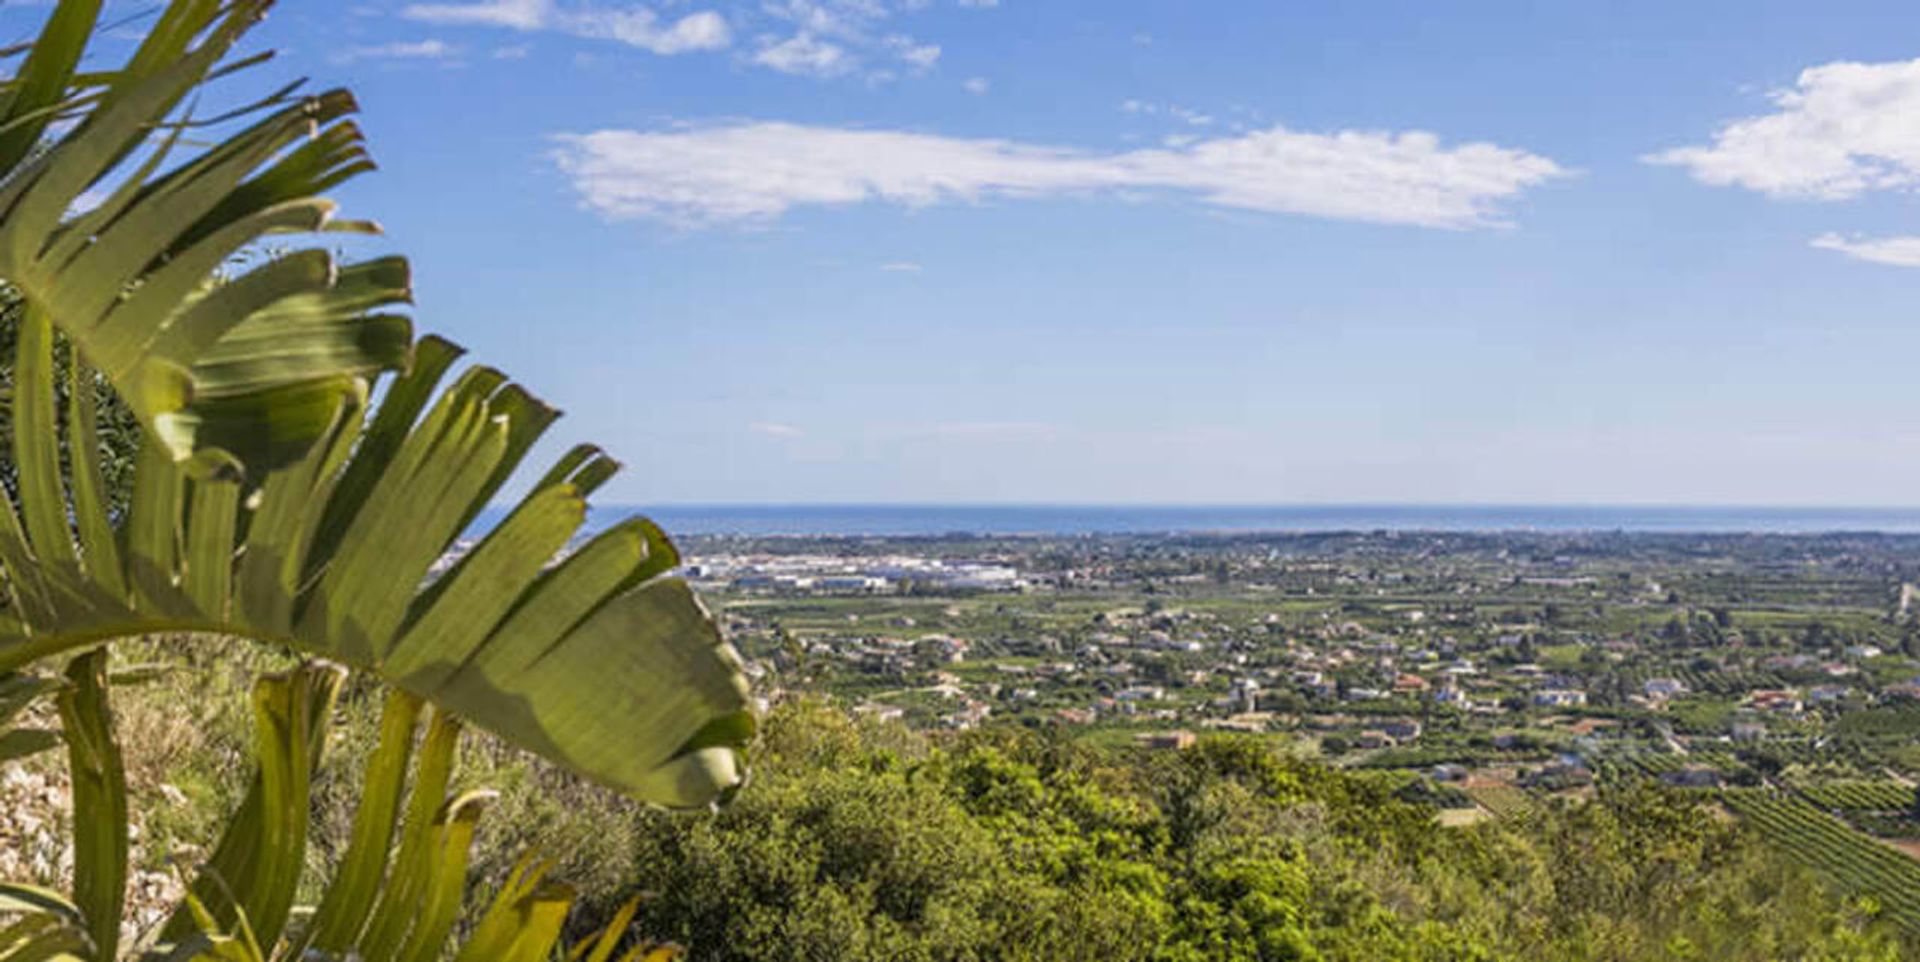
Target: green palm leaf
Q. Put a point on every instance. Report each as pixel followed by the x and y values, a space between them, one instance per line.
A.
pixel 270 500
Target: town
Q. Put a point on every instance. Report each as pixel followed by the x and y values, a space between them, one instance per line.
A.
pixel 1499 670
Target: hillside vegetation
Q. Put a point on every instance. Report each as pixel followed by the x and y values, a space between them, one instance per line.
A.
pixel 859 840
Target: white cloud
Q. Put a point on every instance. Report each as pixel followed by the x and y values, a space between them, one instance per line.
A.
pixel 901 267
pixel 834 18
pixel 518 14
pixel 832 38
pixel 775 429
pixel 980 4
pixel 642 28
pixel 516 52
pixel 1192 117
pixel 920 56
pixel 1901 251
pixel 412 50
pixel 813 38
pixel 1186 115
pixel 1843 129
pixel 637 26
pixel 976 85
pixel 806 55
pixel 755 172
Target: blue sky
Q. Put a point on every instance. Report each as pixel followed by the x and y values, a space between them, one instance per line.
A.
pixel 1107 251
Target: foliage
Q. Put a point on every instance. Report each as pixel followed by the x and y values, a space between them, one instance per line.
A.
pixel 1856 863
pixel 861 841
pixel 117 431
pixel 271 501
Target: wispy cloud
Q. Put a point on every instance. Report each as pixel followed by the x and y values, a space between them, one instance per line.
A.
pixel 1185 115
pixel 806 55
pixel 976 85
pixel 901 267
pixel 812 38
pixel 832 38
pixel 636 27
pixel 1899 251
pixel 518 14
pixel 1842 130
pixel 705 30
pixel 755 172
pixel 408 50
pixel 917 56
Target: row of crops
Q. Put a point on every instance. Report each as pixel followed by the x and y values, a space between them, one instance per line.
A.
pixel 1850 860
pixel 1861 796
pixel 1652 764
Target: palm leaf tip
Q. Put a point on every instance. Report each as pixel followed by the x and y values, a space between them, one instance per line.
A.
pixel 134 280
pixel 643 695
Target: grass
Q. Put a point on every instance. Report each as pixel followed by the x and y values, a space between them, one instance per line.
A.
pixel 186 733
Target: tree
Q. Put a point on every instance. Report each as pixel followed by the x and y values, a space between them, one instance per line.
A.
pixel 272 502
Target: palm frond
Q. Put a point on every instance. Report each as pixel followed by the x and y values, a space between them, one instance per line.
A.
pixel 270 500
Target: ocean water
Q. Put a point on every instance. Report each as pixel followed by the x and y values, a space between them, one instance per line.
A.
pixel 1067 519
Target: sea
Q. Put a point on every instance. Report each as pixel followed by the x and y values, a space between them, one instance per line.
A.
pixel 1083 519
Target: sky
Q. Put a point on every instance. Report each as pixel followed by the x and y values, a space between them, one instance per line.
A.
pixel 1151 251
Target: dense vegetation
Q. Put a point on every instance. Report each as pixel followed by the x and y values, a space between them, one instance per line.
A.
pixel 863 841
pixel 1854 862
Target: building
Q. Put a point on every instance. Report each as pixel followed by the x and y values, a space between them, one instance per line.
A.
pixel 1664 687
pixel 940 648
pixel 1907 690
pixel 1779 701
pixel 1828 694
pixel 852 584
pixel 1373 738
pixel 1165 741
pixel 1246 694
pixel 1559 698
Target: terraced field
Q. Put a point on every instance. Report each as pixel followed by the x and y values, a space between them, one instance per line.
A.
pixel 1861 796
pixel 1851 860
